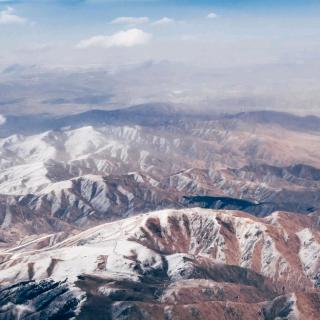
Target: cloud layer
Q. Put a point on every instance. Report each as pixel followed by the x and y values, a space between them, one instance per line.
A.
pixel 8 16
pixel 130 20
pixel 163 21
pixel 212 15
pixel 128 38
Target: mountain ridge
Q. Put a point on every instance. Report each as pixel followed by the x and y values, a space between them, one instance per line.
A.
pixel 150 114
pixel 127 260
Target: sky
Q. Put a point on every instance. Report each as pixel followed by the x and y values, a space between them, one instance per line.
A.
pixel 110 32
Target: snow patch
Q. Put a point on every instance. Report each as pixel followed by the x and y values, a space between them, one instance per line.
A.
pixel 309 252
pixel 3 119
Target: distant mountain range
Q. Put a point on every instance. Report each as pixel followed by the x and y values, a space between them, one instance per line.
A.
pixel 159 114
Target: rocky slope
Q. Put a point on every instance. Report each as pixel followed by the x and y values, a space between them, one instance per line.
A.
pixel 170 264
pixel 89 200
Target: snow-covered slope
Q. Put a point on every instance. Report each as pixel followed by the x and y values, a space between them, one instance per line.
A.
pixel 89 200
pixel 162 150
pixel 198 257
pixel 78 173
pixel 78 178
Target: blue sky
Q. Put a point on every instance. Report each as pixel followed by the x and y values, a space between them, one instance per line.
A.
pixel 64 32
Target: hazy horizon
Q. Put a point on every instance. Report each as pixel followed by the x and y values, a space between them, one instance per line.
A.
pixel 210 54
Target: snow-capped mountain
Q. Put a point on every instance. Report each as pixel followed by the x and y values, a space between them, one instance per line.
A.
pixel 77 235
pixel 179 263
pixel 91 168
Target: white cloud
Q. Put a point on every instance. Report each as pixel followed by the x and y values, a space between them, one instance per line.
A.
pixel 8 16
pixel 130 20
pixel 212 15
pixel 129 38
pixel 2 120
pixel 163 21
